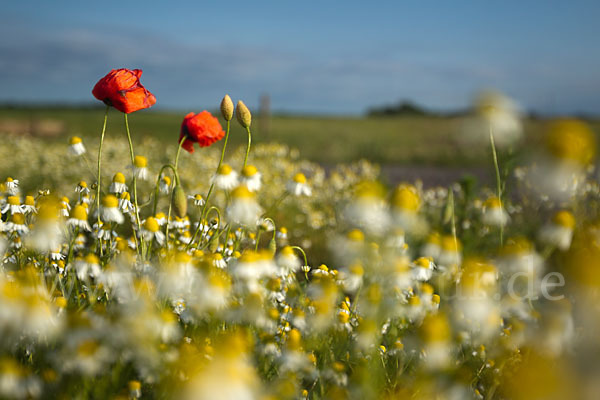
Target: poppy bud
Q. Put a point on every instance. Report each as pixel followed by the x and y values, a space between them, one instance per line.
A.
pixel 227 108
pixel 272 247
pixel 243 114
pixel 179 201
pixel 214 246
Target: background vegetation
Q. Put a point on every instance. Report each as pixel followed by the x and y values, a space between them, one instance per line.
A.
pixel 394 139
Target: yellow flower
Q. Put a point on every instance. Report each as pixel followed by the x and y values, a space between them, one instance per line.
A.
pixel 406 198
pixel 565 219
pixel 140 161
pixel 571 140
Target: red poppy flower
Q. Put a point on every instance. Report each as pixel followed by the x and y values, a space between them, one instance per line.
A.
pixel 122 89
pixel 201 128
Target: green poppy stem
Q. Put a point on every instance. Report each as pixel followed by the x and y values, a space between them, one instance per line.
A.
pixel 212 186
pixel 172 192
pixel 135 197
pixel 98 185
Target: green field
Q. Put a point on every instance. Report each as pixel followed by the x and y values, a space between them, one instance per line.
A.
pixel 408 140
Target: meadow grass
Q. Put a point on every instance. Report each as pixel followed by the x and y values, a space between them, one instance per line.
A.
pixel 414 140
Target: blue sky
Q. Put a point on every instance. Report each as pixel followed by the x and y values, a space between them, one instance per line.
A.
pixel 321 56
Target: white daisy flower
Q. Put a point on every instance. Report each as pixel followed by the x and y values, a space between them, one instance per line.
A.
pixel 63 209
pixel 251 178
pixel 29 206
pixel 78 218
pixel 125 204
pixel 139 167
pixel 186 222
pixel 178 223
pixel 12 186
pixel 17 382
pixel 164 185
pixel 118 184
pixel 198 200
pixel 13 205
pixel 368 210
pixel 110 210
pixel 226 178
pixel 396 240
pixel 135 389
pixel 451 252
pixel 17 224
pixel 89 267
pixel 185 237
pixel 218 261
pixel 151 230
pixel 406 203
pixel 298 186
pixel 103 232
pixel 76 146
pixel 161 218
pixel 432 246
pixel 82 188
pixel 493 212
pixel 251 267
pixel 322 270
pixel 80 241
pixel 204 226
pixel 423 268
pixel 266 224
pixel 500 114
pixel 287 261
pixel 352 277
pixel 48 233
pixel 559 232
pixel 243 209
pixel 56 255
pixel 282 233
pixel 131 243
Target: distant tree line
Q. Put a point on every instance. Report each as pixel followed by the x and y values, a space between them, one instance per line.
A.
pixel 409 109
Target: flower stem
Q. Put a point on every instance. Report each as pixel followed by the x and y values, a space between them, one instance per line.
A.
pixel 498 181
pixel 212 185
pixel 100 170
pixel 173 192
pixel 156 189
pixel 71 243
pixel 274 226
pixel 301 251
pixel 226 238
pixel 224 145
pixel 258 234
pixel 249 144
pixel 305 260
pixel 135 197
pixel 148 253
pixel 451 199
